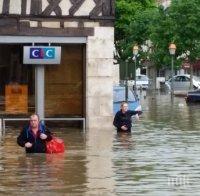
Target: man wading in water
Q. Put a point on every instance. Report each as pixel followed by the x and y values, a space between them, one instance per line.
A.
pixel 34 136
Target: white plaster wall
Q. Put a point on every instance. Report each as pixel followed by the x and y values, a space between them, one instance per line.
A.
pixel 70 24
pixel 99 78
pixel 51 24
pixel 28 7
pixel 91 24
pixel 85 8
pixel 33 23
pixel 44 4
pixel 1 6
pixel 15 7
pixel 65 6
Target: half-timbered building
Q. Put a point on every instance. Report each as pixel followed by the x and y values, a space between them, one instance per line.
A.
pixel 80 84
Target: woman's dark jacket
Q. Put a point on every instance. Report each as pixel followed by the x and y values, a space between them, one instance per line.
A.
pixel 124 119
pixel 39 145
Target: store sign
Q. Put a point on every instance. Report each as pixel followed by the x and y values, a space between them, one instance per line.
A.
pixel 42 55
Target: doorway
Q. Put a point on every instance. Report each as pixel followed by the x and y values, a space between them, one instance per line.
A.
pixel 64 93
pixel 64 84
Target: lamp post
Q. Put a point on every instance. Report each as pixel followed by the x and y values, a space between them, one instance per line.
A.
pixel 135 52
pixel 172 50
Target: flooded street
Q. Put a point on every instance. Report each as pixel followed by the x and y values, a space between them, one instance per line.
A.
pixel 159 157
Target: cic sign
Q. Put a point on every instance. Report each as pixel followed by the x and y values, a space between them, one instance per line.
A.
pixel 42 55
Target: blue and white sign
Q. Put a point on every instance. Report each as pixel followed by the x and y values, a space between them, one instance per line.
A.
pixel 42 54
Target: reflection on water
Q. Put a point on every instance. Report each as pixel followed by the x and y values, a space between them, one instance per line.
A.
pixel 45 174
pixel 159 157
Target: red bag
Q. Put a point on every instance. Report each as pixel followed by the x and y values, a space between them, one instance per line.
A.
pixel 56 145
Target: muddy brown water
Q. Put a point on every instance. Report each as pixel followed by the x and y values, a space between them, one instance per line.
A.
pixel 159 157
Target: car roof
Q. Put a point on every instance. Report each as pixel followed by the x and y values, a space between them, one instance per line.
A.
pixel 194 91
pixel 182 75
pixel 141 75
pixel 119 94
pixel 118 87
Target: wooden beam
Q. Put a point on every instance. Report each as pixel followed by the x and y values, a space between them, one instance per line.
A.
pixel 76 4
pixel 67 32
pixel 102 8
pixel 23 7
pixel 8 22
pixel 12 27
pixel 97 9
pixel 9 26
pixel 53 7
pixel 106 7
pixel 36 7
pixel 112 7
pixel 6 5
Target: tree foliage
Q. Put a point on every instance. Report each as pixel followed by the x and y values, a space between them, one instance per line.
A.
pixel 139 21
pixel 185 15
pixel 128 11
pixel 178 24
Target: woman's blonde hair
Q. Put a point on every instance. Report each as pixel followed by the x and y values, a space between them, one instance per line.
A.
pixel 123 102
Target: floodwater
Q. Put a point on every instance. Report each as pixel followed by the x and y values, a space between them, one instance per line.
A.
pixel 160 157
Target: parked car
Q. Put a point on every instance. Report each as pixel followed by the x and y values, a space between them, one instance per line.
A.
pixel 182 82
pixel 142 82
pixel 119 96
pixel 193 96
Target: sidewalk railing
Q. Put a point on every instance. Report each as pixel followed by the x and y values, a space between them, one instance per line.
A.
pixel 4 120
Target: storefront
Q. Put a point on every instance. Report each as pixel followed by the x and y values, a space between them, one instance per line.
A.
pixel 76 86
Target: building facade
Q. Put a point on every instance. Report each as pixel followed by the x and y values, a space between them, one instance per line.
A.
pixel 81 84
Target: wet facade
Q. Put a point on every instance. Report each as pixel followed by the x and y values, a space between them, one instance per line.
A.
pixel 81 85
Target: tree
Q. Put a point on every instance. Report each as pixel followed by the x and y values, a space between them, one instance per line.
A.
pixel 127 11
pixel 142 21
pixel 185 15
pixel 161 35
pixel 177 24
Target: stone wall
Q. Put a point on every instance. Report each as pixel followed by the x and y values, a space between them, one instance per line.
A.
pixel 99 78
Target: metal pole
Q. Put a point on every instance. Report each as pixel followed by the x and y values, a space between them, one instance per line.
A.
pixel 172 75
pixel 135 87
pixel 126 85
pixel 39 90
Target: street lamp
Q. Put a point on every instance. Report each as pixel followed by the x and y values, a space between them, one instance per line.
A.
pixel 135 52
pixel 172 50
